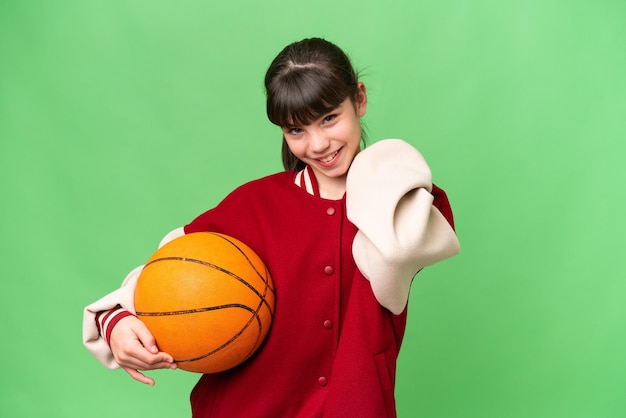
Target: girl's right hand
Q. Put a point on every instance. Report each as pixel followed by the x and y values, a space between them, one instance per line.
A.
pixel 134 348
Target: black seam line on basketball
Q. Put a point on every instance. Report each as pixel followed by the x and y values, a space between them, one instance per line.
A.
pixel 233 338
pixel 223 270
pixel 224 345
pixel 263 278
pixel 255 316
pixel 196 310
pixel 243 253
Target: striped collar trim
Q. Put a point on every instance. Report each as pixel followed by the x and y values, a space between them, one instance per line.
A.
pixel 306 180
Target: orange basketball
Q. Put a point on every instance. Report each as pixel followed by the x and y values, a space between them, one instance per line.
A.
pixel 208 299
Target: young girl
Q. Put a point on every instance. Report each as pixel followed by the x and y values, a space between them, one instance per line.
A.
pixel 342 231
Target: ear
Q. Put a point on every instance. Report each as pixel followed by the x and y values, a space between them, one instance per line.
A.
pixel 361 99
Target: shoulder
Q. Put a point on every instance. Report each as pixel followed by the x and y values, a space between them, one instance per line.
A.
pixel 273 180
pixel 245 201
pixel 272 185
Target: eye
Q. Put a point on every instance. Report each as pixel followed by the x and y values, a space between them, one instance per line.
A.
pixel 292 130
pixel 329 118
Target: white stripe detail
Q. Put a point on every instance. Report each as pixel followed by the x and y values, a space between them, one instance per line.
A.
pixel 105 326
pixel 298 178
pixel 307 182
pixel 308 185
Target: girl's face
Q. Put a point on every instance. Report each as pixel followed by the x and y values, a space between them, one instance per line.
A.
pixel 329 144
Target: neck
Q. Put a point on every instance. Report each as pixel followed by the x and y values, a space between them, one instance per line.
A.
pixel 332 188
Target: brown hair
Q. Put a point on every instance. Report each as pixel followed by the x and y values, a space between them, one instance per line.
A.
pixel 306 80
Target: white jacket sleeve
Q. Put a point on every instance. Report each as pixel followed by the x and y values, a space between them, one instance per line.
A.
pixel 124 296
pixel 388 198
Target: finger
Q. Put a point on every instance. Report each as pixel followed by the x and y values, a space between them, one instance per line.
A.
pixel 138 376
pixel 156 363
pixel 134 346
pixel 143 360
pixel 145 337
pixel 147 340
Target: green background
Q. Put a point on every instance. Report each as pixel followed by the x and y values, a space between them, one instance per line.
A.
pixel 121 120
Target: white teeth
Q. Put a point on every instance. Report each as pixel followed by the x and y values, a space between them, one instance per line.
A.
pixel 329 158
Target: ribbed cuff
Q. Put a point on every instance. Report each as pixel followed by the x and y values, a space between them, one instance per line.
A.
pixel 106 321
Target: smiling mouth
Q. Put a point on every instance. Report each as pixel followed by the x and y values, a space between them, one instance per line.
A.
pixel 330 157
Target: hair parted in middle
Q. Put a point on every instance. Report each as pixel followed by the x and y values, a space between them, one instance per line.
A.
pixel 305 81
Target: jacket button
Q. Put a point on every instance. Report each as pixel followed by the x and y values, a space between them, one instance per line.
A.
pixel 330 211
pixel 329 270
pixel 322 381
pixel 328 324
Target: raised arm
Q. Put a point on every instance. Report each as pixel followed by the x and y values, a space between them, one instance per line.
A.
pixel 389 199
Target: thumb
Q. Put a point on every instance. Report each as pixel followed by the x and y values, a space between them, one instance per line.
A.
pixel 146 338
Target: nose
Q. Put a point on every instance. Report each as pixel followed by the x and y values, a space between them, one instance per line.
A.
pixel 318 142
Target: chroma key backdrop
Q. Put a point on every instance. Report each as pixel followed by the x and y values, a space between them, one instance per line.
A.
pixel 122 120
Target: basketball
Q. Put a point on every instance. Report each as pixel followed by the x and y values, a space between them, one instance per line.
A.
pixel 208 299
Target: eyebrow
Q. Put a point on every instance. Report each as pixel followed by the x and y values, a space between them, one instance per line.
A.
pixel 334 111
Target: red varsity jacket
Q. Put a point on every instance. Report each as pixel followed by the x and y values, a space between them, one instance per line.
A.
pixel 332 349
